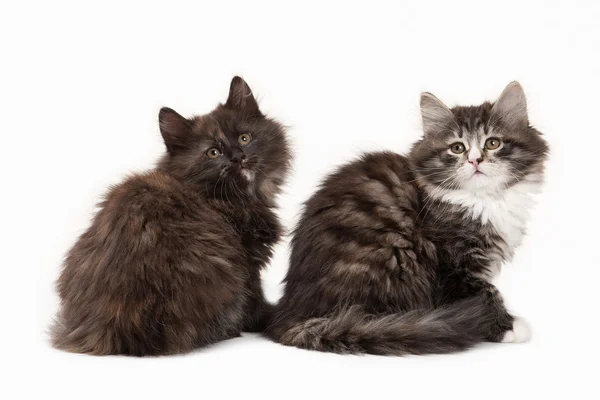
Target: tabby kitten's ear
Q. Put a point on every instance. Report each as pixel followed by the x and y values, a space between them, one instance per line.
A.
pixel 511 107
pixel 174 129
pixel 436 115
pixel 241 98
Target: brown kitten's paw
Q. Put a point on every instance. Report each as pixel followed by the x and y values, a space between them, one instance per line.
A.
pixel 520 332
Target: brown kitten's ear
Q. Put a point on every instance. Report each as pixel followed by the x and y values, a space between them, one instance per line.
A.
pixel 241 98
pixel 174 129
pixel 436 115
pixel 511 107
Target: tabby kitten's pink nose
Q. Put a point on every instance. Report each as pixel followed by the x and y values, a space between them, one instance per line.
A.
pixel 475 156
pixel 476 162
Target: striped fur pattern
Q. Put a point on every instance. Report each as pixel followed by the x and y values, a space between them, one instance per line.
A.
pixel 394 254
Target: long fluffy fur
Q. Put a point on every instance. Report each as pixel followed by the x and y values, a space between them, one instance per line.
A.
pixel 351 330
pixel 172 259
pixel 404 247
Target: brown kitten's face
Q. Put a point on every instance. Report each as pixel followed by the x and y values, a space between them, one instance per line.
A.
pixel 232 152
pixel 483 149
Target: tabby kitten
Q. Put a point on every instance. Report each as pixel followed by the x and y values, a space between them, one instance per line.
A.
pixel 394 254
pixel 172 259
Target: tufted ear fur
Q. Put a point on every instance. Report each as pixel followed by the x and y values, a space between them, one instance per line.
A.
pixel 511 107
pixel 174 129
pixel 241 98
pixel 436 115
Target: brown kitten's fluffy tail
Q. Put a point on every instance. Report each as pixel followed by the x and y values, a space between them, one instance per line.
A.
pixel 442 330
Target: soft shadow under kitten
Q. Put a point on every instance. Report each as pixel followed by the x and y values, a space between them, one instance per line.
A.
pixel 394 254
pixel 172 259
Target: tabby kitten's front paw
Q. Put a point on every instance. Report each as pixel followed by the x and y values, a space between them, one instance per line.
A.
pixel 520 333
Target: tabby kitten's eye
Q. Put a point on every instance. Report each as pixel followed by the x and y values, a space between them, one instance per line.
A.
pixel 244 139
pixel 492 143
pixel 213 152
pixel 457 148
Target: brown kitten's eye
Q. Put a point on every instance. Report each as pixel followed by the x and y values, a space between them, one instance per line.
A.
pixel 213 152
pixel 457 148
pixel 492 143
pixel 244 139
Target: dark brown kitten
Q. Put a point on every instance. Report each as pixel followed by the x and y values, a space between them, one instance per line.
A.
pixel 394 255
pixel 172 260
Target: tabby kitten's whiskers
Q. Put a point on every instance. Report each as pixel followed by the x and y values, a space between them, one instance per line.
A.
pixel 395 254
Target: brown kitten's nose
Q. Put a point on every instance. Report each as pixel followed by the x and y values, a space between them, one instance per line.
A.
pixel 239 158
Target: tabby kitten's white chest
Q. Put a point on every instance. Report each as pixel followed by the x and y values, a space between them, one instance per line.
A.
pixel 507 213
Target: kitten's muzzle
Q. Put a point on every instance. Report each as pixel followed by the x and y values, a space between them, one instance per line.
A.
pixel 239 159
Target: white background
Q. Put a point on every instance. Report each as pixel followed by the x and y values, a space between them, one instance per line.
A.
pixel 80 89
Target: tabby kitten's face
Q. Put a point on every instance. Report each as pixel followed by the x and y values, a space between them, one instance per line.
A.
pixel 231 153
pixel 484 149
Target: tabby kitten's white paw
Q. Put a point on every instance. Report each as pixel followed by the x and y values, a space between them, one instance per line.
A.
pixel 520 333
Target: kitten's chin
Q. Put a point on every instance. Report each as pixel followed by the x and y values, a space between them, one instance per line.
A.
pixel 243 175
pixel 248 174
pixel 480 183
pixel 245 179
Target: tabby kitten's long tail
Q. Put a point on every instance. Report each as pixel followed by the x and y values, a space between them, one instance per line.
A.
pixel 442 330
